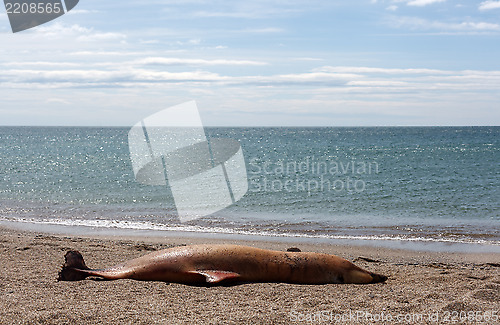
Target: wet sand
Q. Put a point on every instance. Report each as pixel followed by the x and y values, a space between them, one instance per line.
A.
pixel 423 287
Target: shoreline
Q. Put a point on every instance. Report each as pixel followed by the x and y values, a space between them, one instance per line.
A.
pixel 420 283
pixel 405 244
pixel 170 238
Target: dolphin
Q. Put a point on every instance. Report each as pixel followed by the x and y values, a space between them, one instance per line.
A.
pixel 210 265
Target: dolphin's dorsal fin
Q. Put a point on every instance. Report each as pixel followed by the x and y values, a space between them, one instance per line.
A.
pixel 216 276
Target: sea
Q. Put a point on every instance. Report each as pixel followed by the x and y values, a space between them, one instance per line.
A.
pixel 429 188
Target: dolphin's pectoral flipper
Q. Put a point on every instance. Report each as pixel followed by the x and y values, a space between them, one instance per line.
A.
pixel 217 276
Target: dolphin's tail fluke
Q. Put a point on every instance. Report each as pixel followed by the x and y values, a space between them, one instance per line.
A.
pixel 74 269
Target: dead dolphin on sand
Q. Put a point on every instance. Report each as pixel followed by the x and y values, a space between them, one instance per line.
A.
pixel 208 265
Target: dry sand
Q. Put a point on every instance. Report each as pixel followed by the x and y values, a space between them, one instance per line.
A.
pixel 423 288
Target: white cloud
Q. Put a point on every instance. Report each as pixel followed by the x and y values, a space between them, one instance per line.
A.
pixel 57 101
pixel 226 14
pixel 103 78
pixel 477 26
pixel 330 90
pixel 253 10
pixel 198 62
pixel 82 11
pixel 194 41
pixel 344 79
pixel 378 83
pixel 487 5
pixel 424 24
pixel 421 3
pixel 41 64
pixel 151 41
pixel 98 36
pixel 392 8
pixel 307 59
pixel 371 70
pixel 263 30
pixel 59 31
pixel 106 53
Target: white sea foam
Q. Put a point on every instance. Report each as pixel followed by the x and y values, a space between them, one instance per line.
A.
pixel 150 226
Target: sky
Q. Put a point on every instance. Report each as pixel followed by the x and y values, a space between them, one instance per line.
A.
pixel 257 63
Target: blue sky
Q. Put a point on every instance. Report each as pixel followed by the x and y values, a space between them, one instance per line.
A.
pixel 257 63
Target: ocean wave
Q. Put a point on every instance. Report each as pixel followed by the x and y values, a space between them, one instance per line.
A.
pixel 150 226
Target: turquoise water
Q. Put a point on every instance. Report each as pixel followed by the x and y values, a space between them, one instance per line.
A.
pixel 435 184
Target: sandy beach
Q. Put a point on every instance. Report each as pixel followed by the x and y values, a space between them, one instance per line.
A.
pixel 423 287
